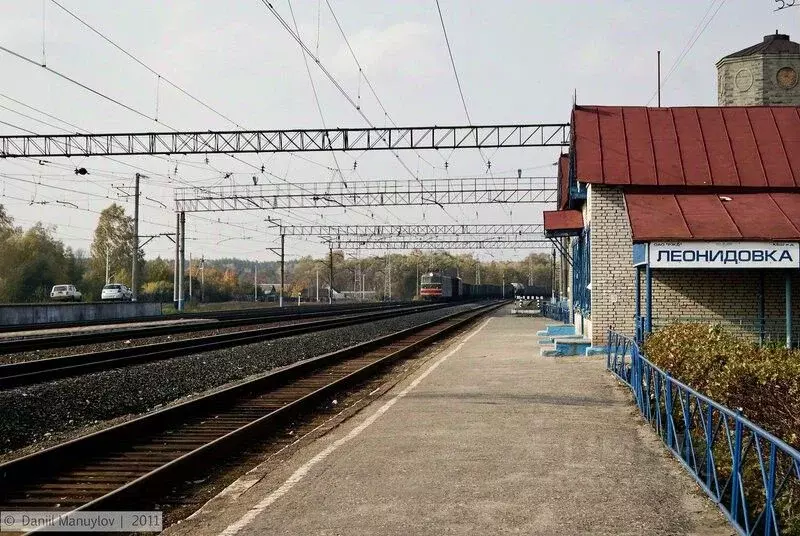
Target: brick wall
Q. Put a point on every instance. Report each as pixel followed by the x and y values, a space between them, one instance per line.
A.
pixel 730 297
pixel 774 94
pixel 740 81
pixel 612 263
pixel 752 81
pixel 719 295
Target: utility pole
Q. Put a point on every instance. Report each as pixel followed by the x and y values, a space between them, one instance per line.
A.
pixel 182 233
pixel 255 283
pixel 135 248
pixel 202 278
pixel 553 278
pixel 504 285
pixel 317 284
pixel 107 263
pixel 190 277
pixel 530 273
pixel 330 285
pixel 177 258
pixel 417 276
pixel 280 299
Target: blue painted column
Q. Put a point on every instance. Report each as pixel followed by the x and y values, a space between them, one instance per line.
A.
pixel 761 308
pixel 648 299
pixel 788 309
pixel 638 314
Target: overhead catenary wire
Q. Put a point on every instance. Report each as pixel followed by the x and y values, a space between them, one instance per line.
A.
pixel 161 77
pixel 458 81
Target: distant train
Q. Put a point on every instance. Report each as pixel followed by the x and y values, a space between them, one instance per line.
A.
pixel 436 287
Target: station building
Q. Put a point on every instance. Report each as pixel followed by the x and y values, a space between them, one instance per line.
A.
pixel 687 213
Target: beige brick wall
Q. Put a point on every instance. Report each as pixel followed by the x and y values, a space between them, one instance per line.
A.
pixel 730 297
pixel 720 295
pixel 612 263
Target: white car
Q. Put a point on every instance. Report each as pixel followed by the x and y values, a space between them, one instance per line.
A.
pixel 116 291
pixel 65 292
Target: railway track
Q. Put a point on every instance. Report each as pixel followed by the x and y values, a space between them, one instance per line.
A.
pixel 130 465
pixel 41 370
pixel 39 342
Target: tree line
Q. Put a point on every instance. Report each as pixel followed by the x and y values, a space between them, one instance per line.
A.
pixel 33 260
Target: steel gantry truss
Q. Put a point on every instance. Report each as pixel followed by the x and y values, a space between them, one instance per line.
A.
pixel 367 193
pixel 285 141
pixel 477 244
pixel 392 232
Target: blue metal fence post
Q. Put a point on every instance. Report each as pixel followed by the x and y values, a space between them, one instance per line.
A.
pixel 788 309
pixel 668 408
pixel 769 507
pixel 687 426
pixel 736 469
pixel 709 440
pixel 649 299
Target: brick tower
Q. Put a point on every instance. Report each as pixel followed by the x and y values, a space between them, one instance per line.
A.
pixel 765 74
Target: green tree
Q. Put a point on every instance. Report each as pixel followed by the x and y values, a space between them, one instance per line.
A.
pixel 32 261
pixel 113 236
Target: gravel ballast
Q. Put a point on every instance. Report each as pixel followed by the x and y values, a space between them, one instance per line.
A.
pixel 34 413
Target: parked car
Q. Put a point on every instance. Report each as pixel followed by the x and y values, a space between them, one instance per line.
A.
pixel 65 293
pixel 116 291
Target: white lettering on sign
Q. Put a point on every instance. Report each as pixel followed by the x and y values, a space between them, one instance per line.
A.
pixel 725 255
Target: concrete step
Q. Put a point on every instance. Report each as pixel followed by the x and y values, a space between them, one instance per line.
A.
pixel 594 351
pixel 563 347
pixel 557 330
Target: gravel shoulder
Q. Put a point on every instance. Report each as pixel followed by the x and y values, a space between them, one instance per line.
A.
pixel 34 416
pixel 131 343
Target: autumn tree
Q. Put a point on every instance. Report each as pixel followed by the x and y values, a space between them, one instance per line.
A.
pixel 113 236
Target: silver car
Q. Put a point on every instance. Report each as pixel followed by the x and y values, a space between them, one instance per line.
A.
pixel 116 291
pixel 65 293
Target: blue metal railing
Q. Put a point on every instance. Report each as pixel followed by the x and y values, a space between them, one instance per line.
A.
pixel 556 311
pixel 753 476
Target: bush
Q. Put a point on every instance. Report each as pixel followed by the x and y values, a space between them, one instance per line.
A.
pixel 763 382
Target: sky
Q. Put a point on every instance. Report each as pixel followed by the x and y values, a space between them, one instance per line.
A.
pixel 519 61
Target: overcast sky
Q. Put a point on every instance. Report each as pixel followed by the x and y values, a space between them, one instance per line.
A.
pixel 520 61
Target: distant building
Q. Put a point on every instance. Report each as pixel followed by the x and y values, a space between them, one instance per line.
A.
pixel 271 291
pixel 764 74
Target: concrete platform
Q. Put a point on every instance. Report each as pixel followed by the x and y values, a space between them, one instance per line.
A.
pixel 485 438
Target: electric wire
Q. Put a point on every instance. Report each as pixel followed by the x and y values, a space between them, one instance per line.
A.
pixel 689 44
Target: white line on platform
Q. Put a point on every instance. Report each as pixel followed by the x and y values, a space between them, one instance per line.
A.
pixel 303 470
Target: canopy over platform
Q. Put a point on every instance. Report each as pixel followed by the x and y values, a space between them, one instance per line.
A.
pixel 562 223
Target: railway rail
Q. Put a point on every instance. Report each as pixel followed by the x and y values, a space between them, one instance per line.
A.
pixel 129 465
pixel 41 370
pixel 38 342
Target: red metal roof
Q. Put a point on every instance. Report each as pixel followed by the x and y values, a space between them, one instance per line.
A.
pixel 743 147
pixel 562 222
pixel 563 181
pixel 659 215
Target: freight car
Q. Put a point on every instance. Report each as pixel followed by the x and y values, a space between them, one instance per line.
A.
pixel 434 286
